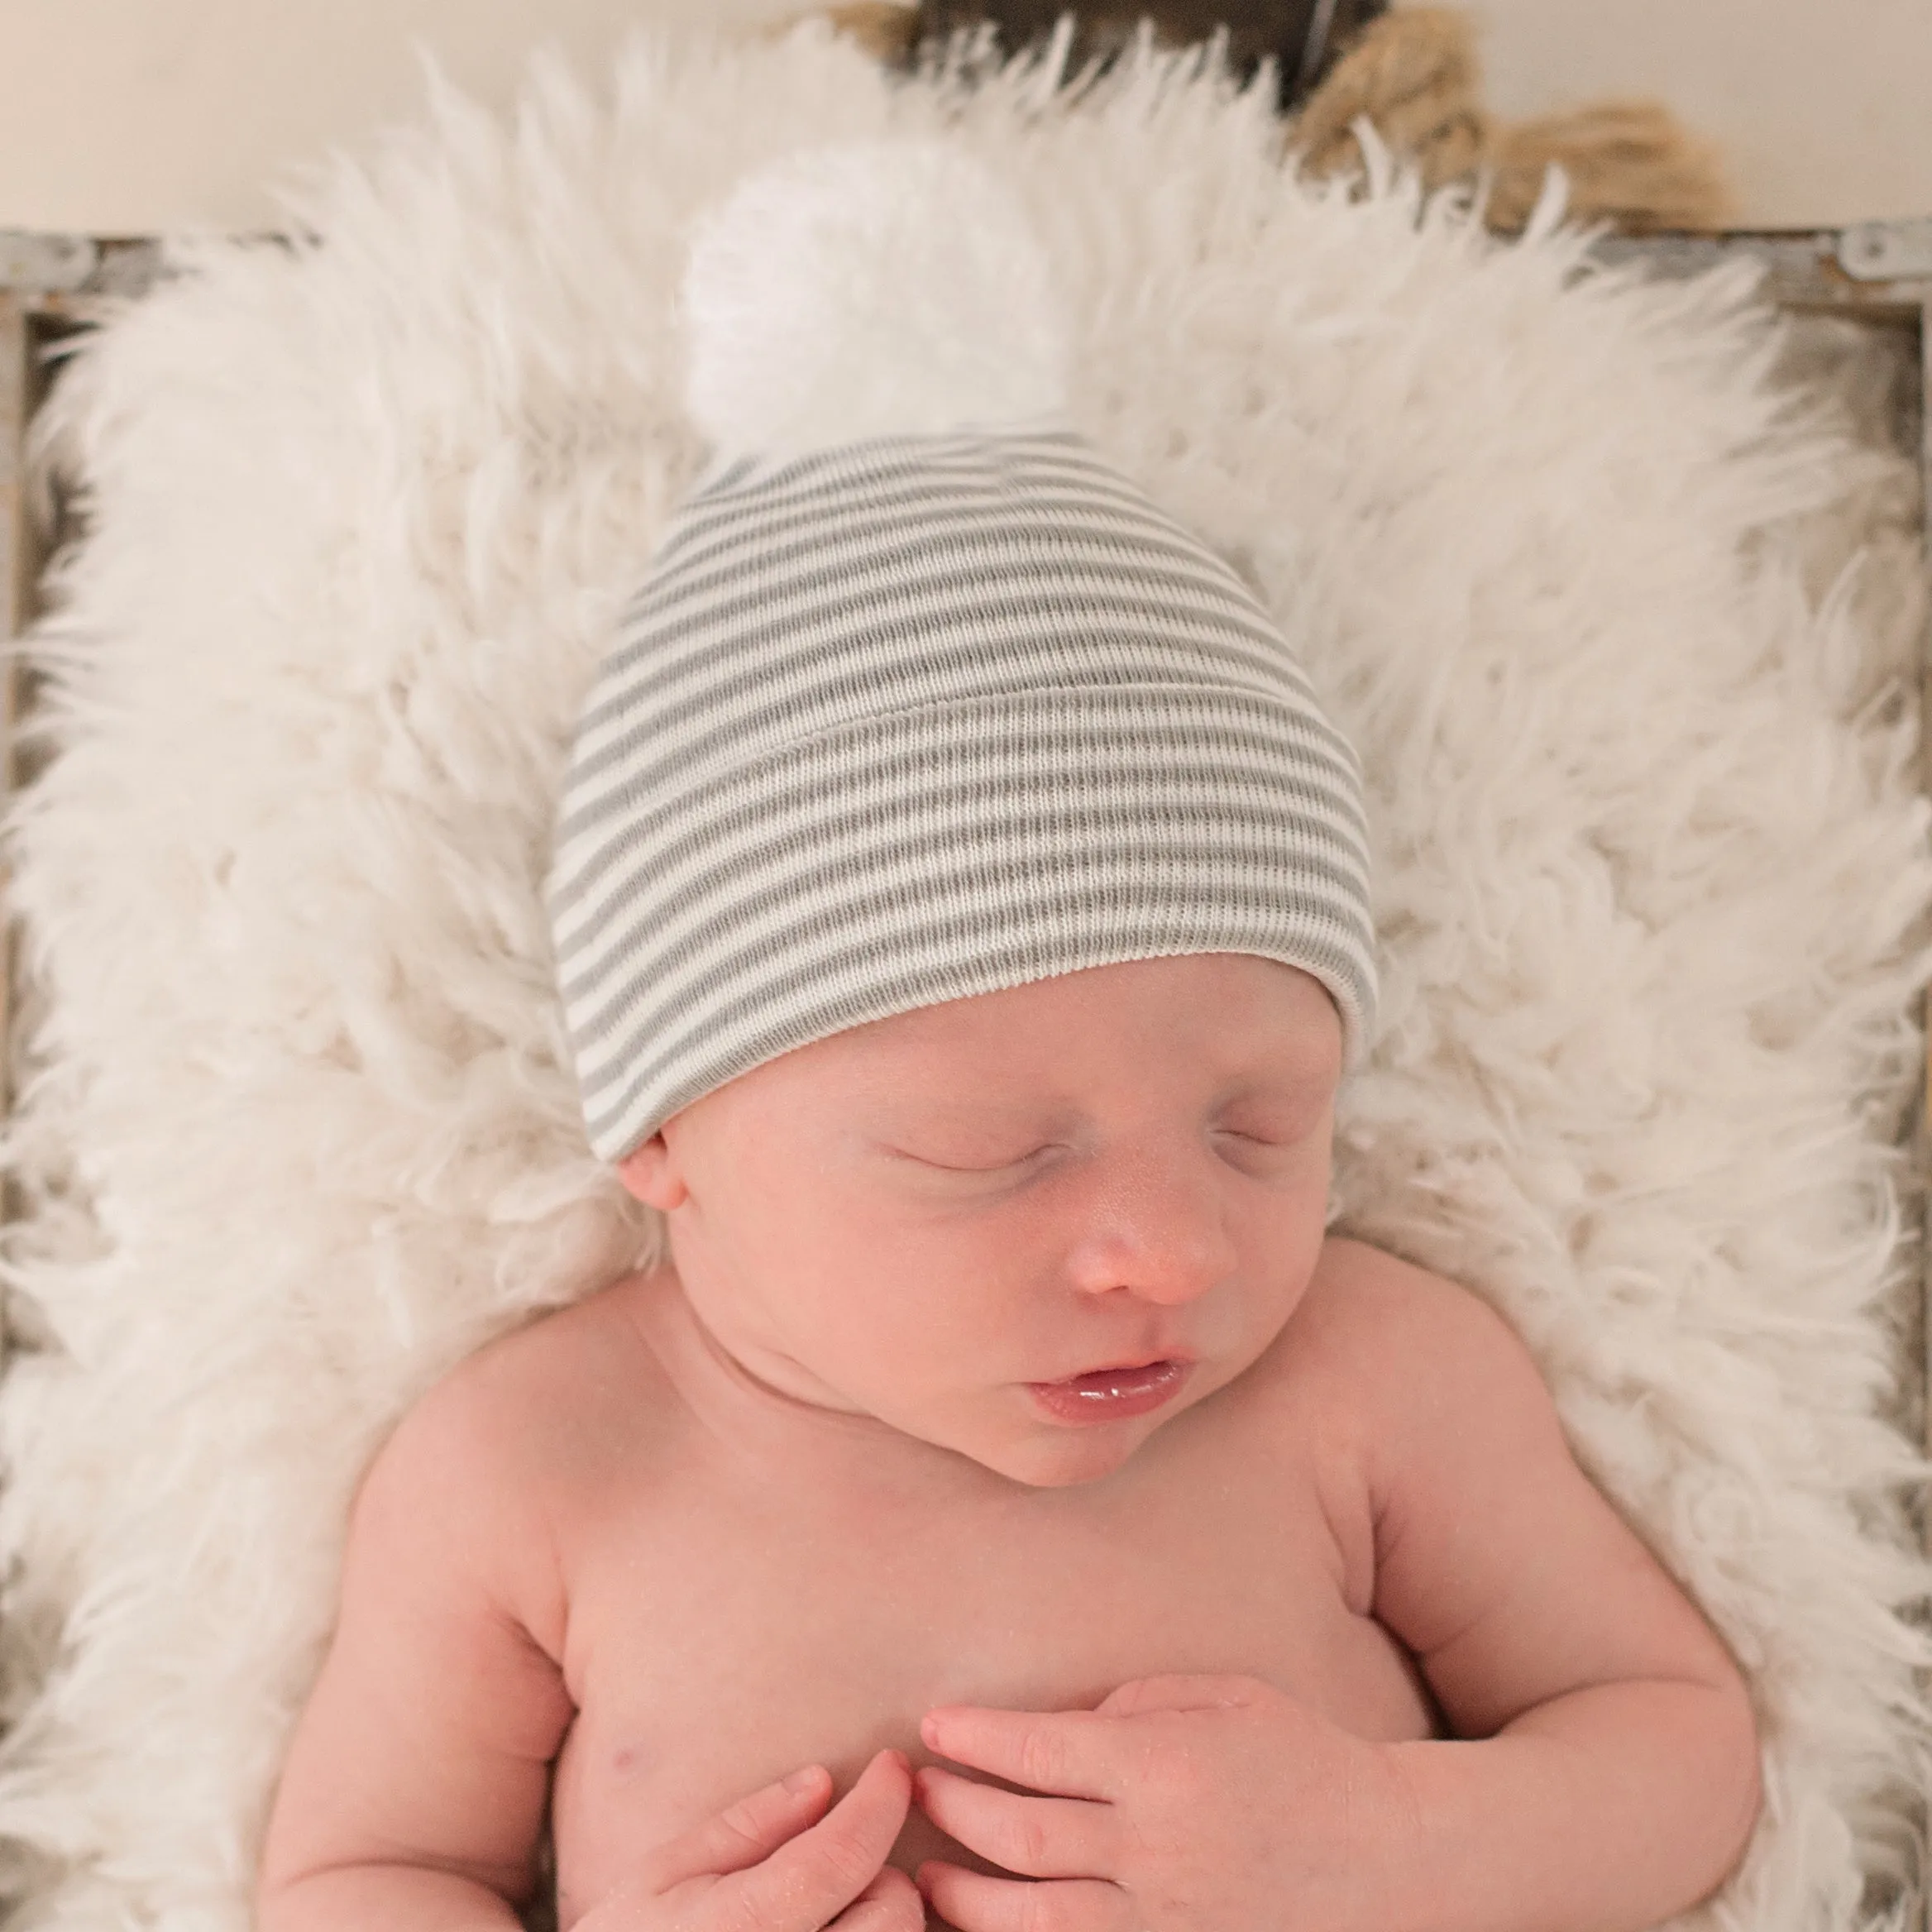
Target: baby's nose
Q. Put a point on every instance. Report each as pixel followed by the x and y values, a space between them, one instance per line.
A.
pixel 1160 1230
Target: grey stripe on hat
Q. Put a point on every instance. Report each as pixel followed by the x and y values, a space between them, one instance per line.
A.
pixel 877 564
pixel 1004 652
pixel 1239 762
pixel 920 718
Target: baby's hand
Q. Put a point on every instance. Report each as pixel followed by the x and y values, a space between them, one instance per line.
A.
pixel 1178 1804
pixel 763 1865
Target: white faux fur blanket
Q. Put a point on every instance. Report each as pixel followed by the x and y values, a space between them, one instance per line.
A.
pixel 1651 876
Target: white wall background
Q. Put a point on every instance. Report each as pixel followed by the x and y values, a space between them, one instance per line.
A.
pixel 125 116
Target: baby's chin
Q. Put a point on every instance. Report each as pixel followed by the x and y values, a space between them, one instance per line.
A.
pixel 1069 1465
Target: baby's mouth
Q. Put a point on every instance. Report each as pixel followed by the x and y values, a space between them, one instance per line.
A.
pixel 1133 1365
pixel 1112 1394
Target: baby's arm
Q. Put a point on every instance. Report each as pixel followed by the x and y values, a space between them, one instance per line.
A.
pixel 1604 1773
pixel 413 1791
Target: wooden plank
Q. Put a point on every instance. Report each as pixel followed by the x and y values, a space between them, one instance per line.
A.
pixel 19 567
pixel 1923 1140
pixel 1802 270
pixel 1923 1149
pixel 54 273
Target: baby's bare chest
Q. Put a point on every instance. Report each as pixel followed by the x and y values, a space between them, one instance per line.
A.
pixel 727 1636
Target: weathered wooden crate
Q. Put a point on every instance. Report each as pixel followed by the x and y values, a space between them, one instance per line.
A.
pixel 1861 303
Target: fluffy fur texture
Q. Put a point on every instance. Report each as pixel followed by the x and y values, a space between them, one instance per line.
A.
pixel 298 1133
pixel 868 289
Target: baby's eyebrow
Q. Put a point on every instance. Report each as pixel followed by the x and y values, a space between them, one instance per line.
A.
pixel 1291 1078
pixel 1058 1112
pixel 951 1110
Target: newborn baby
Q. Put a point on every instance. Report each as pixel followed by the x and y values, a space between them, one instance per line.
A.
pixel 1003 1481
pixel 878 1444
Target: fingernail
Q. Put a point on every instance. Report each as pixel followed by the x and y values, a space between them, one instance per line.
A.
pixel 802 1780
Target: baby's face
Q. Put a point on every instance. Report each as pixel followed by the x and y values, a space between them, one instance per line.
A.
pixel 913 1220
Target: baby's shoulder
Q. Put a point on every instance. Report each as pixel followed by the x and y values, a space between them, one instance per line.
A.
pixel 511 1439
pixel 1426 1380
pixel 1400 1345
pixel 568 1386
pixel 1357 1286
pixel 500 1455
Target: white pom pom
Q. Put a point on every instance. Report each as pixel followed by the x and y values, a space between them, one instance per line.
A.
pixel 874 288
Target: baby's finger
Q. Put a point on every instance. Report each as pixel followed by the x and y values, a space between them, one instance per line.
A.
pixel 891 1903
pixel 745 1833
pixel 805 1885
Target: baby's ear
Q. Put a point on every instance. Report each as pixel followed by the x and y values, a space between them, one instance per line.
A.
pixel 646 1172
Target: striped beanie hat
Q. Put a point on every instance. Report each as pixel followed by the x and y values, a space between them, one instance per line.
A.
pixel 921 698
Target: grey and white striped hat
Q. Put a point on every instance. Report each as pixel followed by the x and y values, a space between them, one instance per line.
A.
pixel 922 698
